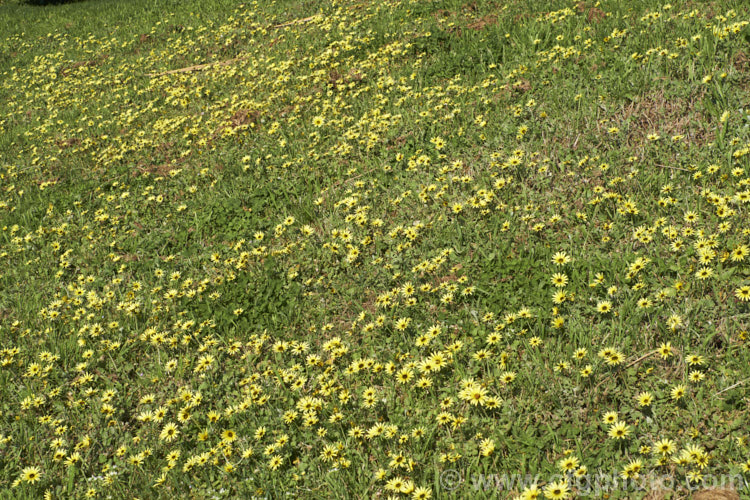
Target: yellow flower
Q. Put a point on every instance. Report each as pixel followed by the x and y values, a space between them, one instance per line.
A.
pixel 486 447
pixel 559 280
pixel 329 453
pixel 632 470
pixel 421 493
pixel 169 432
pixel 695 359
pixel 557 490
pixel 474 395
pixel 645 399
pixel 619 430
pixel 665 446
pixel 665 350
pixel 561 258
pixel 275 462
pixel 604 306
pixel 739 253
pixel 743 293
pixel 395 484
pixel 610 417
pixel 228 436
pixel 674 322
pixel 402 324
pixel 644 303
pixel 31 474
pixel 404 375
pixel 568 464
pixel 677 392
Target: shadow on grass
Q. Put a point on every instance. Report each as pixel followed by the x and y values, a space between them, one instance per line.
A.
pixel 43 3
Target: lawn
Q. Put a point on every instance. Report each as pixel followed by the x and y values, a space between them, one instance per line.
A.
pixel 397 249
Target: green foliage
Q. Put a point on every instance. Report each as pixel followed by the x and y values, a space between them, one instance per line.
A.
pixel 343 249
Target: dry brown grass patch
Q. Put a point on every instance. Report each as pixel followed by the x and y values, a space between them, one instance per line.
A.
pixel 593 14
pixel 667 116
pixel 716 495
pixel 482 23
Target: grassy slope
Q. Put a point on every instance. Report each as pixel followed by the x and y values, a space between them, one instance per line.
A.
pixel 351 228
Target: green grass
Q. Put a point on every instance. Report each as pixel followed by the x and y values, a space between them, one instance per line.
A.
pixel 364 245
